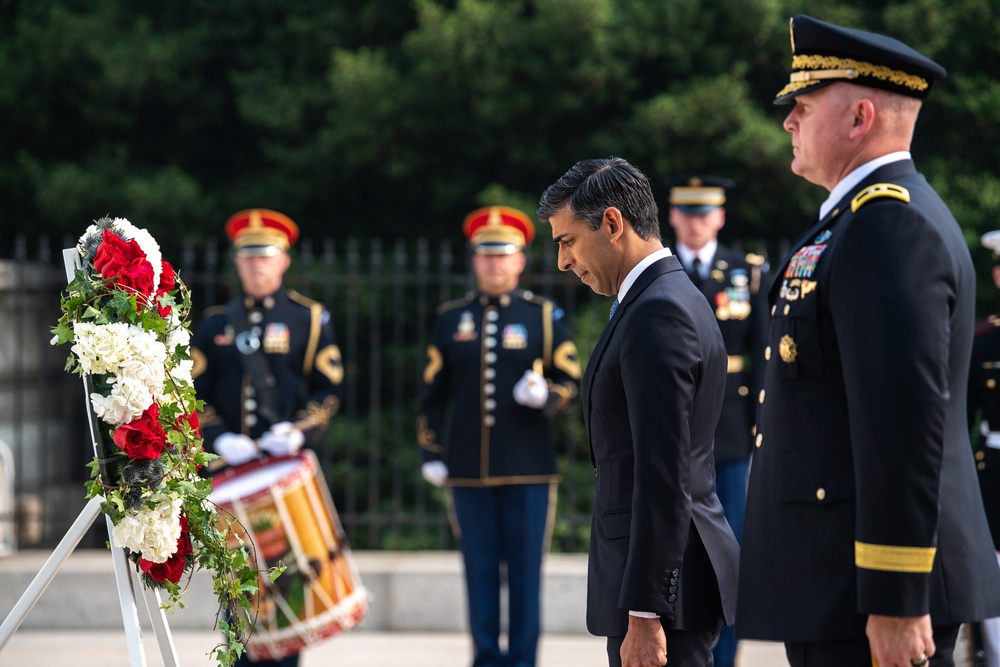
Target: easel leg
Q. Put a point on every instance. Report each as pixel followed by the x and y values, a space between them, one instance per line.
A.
pixel 158 619
pixel 49 570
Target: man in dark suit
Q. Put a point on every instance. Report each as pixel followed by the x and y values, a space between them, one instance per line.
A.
pixel 984 407
pixel 663 559
pixel 864 537
pixel 735 285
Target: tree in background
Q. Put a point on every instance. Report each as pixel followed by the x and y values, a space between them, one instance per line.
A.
pixel 392 118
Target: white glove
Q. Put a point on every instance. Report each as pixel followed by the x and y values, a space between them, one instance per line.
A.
pixel 531 390
pixel 435 472
pixel 282 440
pixel 235 448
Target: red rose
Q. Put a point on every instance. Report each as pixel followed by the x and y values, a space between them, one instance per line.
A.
pixel 192 420
pixel 143 437
pixel 125 262
pixel 173 569
pixel 167 285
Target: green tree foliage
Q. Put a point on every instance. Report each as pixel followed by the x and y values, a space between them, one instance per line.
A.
pixel 395 118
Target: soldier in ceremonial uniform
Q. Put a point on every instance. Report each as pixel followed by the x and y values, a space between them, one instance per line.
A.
pixel 984 407
pixel 865 540
pixel 735 285
pixel 501 359
pixel 265 364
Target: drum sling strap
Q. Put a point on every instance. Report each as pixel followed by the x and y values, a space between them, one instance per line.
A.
pixel 254 363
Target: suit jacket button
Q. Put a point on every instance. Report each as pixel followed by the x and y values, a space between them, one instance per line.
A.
pixel 675 572
pixel 596 473
pixel 673 581
pixel 672 589
pixel 821 493
pixel 672 598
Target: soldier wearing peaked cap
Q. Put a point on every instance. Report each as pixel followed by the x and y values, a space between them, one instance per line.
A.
pixel 735 285
pixel 501 359
pixel 265 364
pixel 865 538
pixel 984 408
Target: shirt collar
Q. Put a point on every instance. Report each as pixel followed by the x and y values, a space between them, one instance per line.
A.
pixel 705 255
pixel 847 183
pixel 639 268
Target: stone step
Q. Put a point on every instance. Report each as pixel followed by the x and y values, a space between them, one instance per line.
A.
pixel 410 592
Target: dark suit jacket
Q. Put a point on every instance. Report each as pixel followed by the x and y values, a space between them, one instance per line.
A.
pixel 652 395
pixel 863 496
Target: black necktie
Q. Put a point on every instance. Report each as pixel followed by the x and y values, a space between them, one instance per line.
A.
pixel 696 272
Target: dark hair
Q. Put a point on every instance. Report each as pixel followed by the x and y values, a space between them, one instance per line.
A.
pixel 591 186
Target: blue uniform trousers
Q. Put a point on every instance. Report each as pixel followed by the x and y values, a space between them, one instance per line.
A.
pixel 503 524
pixel 731 487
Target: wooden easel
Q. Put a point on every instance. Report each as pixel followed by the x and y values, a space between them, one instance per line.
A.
pixel 126 578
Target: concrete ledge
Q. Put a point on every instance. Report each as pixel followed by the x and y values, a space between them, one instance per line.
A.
pixel 410 592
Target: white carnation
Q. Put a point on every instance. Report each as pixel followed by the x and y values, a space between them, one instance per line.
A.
pixel 151 532
pixel 101 347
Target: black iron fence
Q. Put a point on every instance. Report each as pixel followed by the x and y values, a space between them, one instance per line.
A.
pixel 382 299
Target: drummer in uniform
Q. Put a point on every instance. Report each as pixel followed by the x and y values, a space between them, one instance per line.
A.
pixel 501 359
pixel 265 364
pixel 984 405
pixel 735 285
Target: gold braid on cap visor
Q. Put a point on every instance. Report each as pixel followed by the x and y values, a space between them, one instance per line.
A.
pixel 830 67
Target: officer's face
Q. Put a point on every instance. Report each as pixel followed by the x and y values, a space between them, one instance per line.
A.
pixel 587 252
pixel 695 230
pixel 497 274
pixel 821 127
pixel 261 276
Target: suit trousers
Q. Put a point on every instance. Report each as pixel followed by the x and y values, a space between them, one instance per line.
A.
pixel 503 525
pixel 858 652
pixel 684 649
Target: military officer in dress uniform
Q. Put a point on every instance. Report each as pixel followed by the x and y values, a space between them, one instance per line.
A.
pixel 265 364
pixel 984 405
pixel 735 285
pixel 502 360
pixel 865 540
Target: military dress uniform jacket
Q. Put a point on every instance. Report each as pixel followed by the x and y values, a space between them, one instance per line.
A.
pixel 652 394
pixel 480 347
pixel 737 292
pixel 298 343
pixel 862 496
pixel 984 403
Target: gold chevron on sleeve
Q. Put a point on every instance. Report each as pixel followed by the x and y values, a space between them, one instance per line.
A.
pixel 329 363
pixel 887 558
pixel 434 364
pixel 566 359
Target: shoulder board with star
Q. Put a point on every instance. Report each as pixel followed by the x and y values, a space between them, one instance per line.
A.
pixel 457 303
pixel 880 191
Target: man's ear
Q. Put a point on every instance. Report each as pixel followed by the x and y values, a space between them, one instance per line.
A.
pixel 863 117
pixel 615 222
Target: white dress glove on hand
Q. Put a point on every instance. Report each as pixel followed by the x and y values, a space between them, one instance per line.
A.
pixel 531 390
pixel 282 440
pixel 235 448
pixel 435 472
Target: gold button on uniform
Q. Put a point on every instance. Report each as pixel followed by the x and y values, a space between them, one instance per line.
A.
pixel 981 465
pixel 772 309
pixel 991 383
pixel 761 397
pixel 767 353
pixel 980 456
pixel 743 390
pixel 820 493
pixel 786 309
pixel 760 439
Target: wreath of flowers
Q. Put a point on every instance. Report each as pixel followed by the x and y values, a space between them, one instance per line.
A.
pixel 126 314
